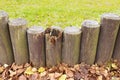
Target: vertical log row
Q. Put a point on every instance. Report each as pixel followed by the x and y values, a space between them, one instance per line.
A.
pixel 53 40
pixel 36 46
pixel 116 53
pixel 71 45
pixel 89 40
pixel 6 53
pixel 18 35
pixel 108 32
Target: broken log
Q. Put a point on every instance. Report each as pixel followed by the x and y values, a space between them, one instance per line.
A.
pixel 18 33
pixel 108 32
pixel 36 44
pixel 6 53
pixel 53 40
pixel 89 39
pixel 71 45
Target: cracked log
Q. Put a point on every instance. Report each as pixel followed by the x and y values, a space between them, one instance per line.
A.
pixel 36 46
pixel 89 39
pixel 18 35
pixel 71 45
pixel 6 53
pixel 108 32
pixel 53 40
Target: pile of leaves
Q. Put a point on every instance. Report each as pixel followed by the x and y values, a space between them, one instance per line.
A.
pixel 109 71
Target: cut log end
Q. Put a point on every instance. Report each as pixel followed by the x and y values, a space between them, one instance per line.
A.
pixel 72 30
pixel 3 14
pixel 110 16
pixel 90 24
pixel 35 30
pixel 18 22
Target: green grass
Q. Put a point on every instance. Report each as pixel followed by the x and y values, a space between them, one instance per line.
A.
pixel 59 12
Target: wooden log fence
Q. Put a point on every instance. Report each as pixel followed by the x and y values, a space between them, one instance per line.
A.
pixel 36 45
pixel 6 53
pixel 18 33
pixel 53 41
pixel 89 40
pixel 71 44
pixel 108 32
pixel 92 43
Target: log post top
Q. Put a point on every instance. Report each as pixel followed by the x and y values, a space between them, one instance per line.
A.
pixel 18 22
pixel 3 14
pixel 3 17
pixel 90 24
pixel 110 16
pixel 72 30
pixel 35 30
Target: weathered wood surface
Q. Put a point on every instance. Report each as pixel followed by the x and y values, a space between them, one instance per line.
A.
pixel 108 32
pixel 116 53
pixel 53 40
pixel 71 45
pixel 18 35
pixel 89 39
pixel 36 45
pixel 6 53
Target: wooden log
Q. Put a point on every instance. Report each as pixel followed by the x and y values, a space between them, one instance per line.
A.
pixel 18 33
pixel 36 45
pixel 71 45
pixel 116 53
pixel 6 53
pixel 53 40
pixel 108 32
pixel 89 39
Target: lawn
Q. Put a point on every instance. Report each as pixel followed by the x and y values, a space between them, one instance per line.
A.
pixel 58 12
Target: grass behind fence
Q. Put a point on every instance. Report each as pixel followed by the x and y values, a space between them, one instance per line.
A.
pixel 59 12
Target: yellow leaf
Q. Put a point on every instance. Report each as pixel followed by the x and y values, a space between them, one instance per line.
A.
pixel 63 77
pixel 29 71
pixel 41 69
pixel 114 66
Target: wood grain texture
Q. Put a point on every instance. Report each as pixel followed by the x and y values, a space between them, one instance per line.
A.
pixel 18 35
pixel 108 32
pixel 116 53
pixel 53 40
pixel 71 45
pixel 36 46
pixel 89 39
pixel 6 53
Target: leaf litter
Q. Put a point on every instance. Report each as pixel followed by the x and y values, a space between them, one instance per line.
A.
pixel 108 71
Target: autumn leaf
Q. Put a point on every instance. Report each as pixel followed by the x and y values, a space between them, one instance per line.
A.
pixel 1 69
pixel 114 66
pixel 29 71
pixel 41 69
pixel 63 77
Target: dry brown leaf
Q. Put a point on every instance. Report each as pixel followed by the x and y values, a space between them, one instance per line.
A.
pixel 22 77
pixel 57 75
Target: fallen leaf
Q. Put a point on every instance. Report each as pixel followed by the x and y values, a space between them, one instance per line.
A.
pixel 114 66
pixel 22 77
pixel 29 71
pixel 63 77
pixel 41 69
pixel 5 65
pixel 57 75
pixel 1 69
